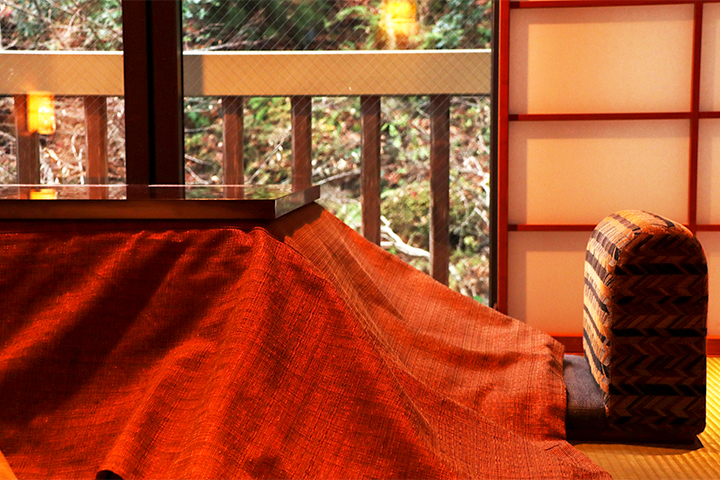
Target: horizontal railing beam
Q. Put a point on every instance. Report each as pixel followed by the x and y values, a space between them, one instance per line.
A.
pixel 62 73
pixel 335 73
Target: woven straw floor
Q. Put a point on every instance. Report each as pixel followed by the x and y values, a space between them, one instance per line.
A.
pixel 642 462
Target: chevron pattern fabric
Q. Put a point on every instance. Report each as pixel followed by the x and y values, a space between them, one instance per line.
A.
pixel 645 323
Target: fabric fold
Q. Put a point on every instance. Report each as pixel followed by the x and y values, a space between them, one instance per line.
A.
pixel 293 349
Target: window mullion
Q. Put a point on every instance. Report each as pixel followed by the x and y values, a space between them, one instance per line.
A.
pixel 153 93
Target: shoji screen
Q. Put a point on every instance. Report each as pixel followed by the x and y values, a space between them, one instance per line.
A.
pixel 604 106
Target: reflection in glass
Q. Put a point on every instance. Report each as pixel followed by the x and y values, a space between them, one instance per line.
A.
pixel 164 192
pixel 56 150
pixel 41 113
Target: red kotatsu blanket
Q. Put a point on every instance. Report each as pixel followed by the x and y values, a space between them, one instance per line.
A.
pixel 289 349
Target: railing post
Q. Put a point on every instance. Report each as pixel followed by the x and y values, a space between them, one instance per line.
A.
pixel 370 116
pixel 302 141
pixel 440 187
pixel 96 139
pixel 28 145
pixel 233 162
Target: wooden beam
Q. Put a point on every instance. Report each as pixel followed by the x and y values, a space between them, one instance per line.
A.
pixel 96 139
pixel 153 93
pixel 573 343
pixel 566 117
pixel 561 227
pixel 167 92
pixel 138 88
pixel 62 73
pixel 493 270
pixel 695 118
pixel 344 73
pixel 233 162
pixel 302 141
pixel 28 145
pixel 502 125
pixel 371 124
pixel 440 187
pixel 163 206
pixel 599 3
pixel 356 73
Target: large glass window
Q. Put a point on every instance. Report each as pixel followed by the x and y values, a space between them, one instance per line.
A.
pixel 267 53
pixel 375 100
pixel 70 51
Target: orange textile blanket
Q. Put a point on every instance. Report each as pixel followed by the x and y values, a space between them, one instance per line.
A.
pixel 289 349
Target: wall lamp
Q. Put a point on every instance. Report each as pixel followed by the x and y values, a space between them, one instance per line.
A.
pixel 41 113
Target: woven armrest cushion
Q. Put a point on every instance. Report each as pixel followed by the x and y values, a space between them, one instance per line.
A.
pixel 645 323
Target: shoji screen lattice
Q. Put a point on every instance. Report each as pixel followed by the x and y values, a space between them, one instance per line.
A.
pixel 603 106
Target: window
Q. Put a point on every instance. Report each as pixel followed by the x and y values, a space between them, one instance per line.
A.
pixel 385 103
pixel 68 49
pixel 347 86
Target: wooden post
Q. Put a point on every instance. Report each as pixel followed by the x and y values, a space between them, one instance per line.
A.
pixel 167 92
pixel 152 36
pixel 302 141
pixel 233 162
pixel 695 118
pixel 502 124
pixel 96 139
pixel 440 187
pixel 371 124
pixel 138 98
pixel 28 146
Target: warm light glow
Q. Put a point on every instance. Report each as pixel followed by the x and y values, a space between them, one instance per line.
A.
pixel 399 18
pixel 44 194
pixel 41 113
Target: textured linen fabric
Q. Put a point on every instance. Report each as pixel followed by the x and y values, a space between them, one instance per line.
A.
pixel 293 349
pixel 6 472
pixel 645 324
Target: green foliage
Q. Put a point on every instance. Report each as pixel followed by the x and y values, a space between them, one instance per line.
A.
pixel 328 24
pixel 246 24
pixel 336 140
pixel 62 25
pixel 268 148
pixel 256 25
pixel 203 141
pixel 363 21
pixel 407 210
pixel 458 24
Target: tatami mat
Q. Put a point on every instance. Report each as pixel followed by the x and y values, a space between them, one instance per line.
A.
pixel 642 462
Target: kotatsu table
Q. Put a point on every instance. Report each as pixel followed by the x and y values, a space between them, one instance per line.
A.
pixel 287 347
pixel 169 202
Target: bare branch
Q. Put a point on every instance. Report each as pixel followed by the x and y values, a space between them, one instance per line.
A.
pixel 393 240
pixel 339 176
pixel 195 176
pixel 198 160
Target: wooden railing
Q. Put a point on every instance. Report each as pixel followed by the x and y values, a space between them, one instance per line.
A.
pixel 299 75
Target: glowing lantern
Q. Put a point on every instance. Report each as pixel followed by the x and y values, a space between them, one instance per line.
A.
pixel 43 194
pixel 400 17
pixel 41 113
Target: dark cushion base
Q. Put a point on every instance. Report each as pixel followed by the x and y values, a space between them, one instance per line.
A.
pixel 586 418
